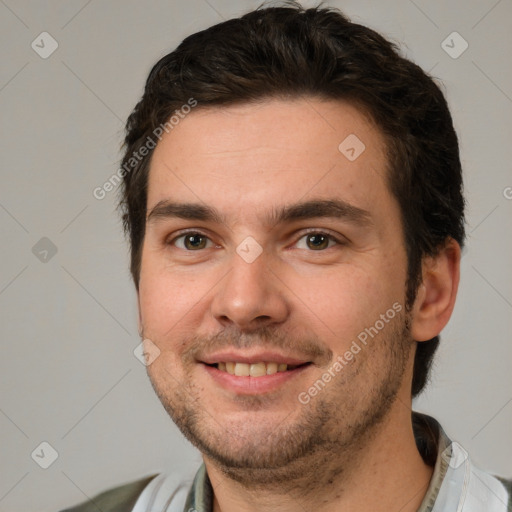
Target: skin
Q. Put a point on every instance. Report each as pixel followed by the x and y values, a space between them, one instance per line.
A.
pixel 352 446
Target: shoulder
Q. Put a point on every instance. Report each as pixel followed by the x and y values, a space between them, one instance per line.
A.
pixel 117 499
pixel 507 483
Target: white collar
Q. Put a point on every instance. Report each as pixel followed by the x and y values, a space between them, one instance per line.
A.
pixel 466 488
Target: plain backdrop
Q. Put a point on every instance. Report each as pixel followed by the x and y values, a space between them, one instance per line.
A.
pixel 68 326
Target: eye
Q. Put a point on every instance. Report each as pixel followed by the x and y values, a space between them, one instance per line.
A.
pixel 192 241
pixel 317 241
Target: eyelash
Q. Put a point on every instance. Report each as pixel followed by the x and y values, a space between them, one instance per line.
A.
pixel 305 233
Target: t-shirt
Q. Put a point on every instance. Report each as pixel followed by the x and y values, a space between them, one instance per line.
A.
pixel 457 485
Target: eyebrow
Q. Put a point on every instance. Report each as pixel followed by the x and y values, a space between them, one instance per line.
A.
pixel 320 208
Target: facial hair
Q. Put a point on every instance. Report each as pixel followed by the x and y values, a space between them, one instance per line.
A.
pixel 320 439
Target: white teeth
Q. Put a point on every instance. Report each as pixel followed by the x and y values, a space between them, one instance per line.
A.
pixel 230 367
pixel 257 370
pixel 253 370
pixel 242 369
pixel 271 368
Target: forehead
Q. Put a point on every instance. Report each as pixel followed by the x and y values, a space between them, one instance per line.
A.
pixel 272 152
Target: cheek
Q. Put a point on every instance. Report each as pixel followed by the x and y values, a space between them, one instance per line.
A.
pixel 164 312
pixel 342 303
pixel 165 298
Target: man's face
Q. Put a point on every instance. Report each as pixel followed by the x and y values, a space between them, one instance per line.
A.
pixel 271 282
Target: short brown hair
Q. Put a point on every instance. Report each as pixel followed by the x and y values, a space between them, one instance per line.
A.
pixel 282 52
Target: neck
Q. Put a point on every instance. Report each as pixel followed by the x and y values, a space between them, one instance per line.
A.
pixel 383 472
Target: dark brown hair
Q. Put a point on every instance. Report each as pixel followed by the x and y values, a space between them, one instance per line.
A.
pixel 290 51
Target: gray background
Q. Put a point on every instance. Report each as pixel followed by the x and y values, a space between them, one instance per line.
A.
pixel 68 327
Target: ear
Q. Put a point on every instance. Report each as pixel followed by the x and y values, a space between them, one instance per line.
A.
pixel 435 298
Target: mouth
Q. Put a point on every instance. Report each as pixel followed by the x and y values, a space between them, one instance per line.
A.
pixel 259 369
pixel 256 373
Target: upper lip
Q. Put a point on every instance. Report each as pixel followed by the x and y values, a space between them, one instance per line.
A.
pixel 251 358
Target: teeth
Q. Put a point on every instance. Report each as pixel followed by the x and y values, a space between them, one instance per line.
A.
pixel 257 370
pixel 271 368
pixel 254 369
pixel 242 370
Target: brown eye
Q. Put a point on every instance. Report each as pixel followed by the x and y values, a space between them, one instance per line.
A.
pixel 191 241
pixel 195 241
pixel 317 241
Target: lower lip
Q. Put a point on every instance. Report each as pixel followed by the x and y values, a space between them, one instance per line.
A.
pixel 253 385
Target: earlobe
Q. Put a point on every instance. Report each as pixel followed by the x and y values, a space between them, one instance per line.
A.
pixel 436 295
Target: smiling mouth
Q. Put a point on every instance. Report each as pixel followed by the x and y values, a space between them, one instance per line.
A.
pixel 254 369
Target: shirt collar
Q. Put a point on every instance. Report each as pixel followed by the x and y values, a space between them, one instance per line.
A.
pixel 435 448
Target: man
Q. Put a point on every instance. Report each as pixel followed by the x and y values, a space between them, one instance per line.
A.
pixel 293 198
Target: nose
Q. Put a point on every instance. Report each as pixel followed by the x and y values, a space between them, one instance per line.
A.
pixel 250 296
